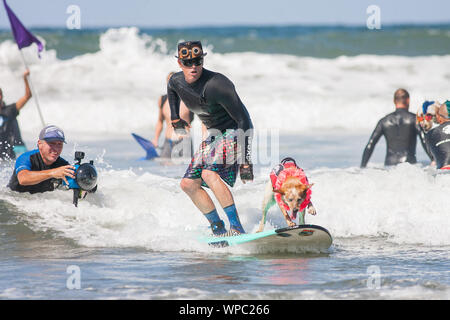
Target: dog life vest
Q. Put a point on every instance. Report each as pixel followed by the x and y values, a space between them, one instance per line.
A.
pixel 279 174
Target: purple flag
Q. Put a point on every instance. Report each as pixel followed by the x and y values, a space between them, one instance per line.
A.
pixel 24 38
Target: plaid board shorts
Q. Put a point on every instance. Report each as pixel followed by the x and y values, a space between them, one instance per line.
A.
pixel 218 154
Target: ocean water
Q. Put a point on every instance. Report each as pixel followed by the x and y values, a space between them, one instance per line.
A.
pixel 314 94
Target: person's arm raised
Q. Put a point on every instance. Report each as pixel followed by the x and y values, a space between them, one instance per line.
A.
pixel 22 101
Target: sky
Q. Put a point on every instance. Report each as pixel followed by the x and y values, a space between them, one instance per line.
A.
pixel 177 13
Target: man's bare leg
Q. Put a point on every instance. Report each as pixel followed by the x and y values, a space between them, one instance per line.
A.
pixel 204 203
pixel 202 200
pixel 225 198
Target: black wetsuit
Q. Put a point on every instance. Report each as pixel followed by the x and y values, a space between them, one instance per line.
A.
pixel 32 161
pixel 8 114
pixel 214 100
pixel 438 140
pixel 400 130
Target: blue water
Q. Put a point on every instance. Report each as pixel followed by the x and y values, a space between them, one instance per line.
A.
pixel 311 41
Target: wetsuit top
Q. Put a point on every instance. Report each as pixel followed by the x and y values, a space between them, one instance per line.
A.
pixel 438 140
pixel 214 100
pixel 400 130
pixel 8 114
pixel 32 161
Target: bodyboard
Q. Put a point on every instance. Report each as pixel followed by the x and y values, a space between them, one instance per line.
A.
pixel 147 146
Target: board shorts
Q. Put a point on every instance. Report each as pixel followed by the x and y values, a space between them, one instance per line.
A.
pixel 218 154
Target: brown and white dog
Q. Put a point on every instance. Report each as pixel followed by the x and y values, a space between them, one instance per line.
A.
pixel 290 189
pixel 426 115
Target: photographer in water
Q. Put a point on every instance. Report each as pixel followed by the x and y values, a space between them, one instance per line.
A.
pixel 36 170
pixel 43 169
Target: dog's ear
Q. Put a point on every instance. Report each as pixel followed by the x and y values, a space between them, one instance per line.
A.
pixel 278 191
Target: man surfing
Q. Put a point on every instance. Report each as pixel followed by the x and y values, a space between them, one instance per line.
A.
pixel 227 149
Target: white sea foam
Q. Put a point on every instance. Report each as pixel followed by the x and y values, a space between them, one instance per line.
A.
pixel 405 204
pixel 115 90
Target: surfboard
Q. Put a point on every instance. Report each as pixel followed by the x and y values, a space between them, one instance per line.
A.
pixel 305 237
pixel 147 146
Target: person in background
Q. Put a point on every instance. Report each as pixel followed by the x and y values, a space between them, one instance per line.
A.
pixel 438 137
pixel 400 131
pixel 10 137
pixel 170 140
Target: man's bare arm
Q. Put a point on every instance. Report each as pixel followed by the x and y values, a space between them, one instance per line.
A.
pixel 28 178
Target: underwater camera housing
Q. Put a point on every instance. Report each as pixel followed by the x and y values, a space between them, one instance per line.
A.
pixel 85 178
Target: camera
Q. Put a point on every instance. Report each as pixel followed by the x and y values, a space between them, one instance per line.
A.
pixel 85 177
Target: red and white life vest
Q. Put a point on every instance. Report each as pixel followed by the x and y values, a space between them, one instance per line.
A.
pixel 288 168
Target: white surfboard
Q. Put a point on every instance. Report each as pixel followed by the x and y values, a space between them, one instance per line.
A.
pixel 306 237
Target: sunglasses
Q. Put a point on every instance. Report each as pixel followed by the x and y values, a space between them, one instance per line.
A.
pixel 191 62
pixel 427 117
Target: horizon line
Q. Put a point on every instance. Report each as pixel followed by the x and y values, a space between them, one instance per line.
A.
pixel 237 25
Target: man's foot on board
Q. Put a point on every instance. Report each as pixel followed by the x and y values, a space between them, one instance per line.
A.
pixel 234 231
pixel 218 229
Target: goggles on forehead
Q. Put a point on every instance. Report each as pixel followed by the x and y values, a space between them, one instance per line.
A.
pixel 191 53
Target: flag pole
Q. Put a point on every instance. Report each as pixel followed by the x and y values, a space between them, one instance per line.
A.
pixel 33 93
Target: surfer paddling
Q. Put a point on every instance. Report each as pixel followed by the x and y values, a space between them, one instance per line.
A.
pixel 227 149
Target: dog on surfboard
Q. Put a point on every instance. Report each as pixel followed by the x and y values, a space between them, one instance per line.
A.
pixel 289 188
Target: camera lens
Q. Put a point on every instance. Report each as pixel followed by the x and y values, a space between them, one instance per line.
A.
pixel 86 176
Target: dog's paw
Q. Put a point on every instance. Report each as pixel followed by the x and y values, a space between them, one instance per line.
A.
pixel 291 223
pixel 312 210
